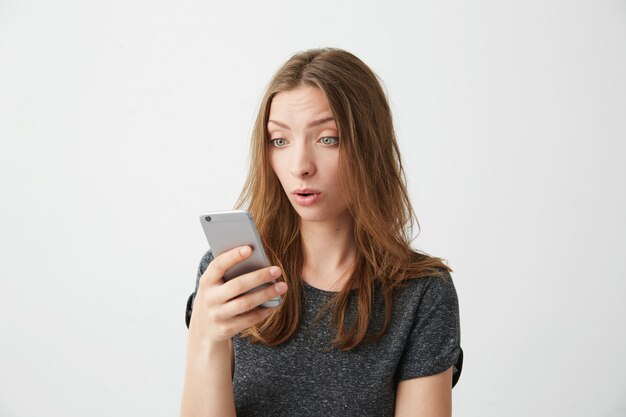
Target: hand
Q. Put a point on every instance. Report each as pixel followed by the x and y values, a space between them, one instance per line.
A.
pixel 220 310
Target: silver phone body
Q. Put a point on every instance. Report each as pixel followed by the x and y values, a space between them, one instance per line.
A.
pixel 226 230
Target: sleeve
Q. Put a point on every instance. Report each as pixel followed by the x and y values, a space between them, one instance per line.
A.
pixel 204 263
pixel 434 342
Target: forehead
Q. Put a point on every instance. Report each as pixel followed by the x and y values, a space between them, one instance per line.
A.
pixel 302 101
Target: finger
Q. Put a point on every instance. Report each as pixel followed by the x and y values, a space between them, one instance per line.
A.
pixel 218 267
pixel 249 319
pixel 244 283
pixel 224 330
pixel 245 303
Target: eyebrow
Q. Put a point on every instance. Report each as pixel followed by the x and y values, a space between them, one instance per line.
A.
pixel 314 123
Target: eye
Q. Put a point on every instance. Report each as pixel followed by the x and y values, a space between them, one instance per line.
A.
pixel 329 140
pixel 278 143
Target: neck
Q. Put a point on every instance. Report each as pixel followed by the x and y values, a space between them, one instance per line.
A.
pixel 329 252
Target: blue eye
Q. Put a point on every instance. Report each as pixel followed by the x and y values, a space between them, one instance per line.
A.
pixel 329 140
pixel 278 143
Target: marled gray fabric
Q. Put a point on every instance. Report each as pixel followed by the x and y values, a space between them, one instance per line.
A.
pixel 306 377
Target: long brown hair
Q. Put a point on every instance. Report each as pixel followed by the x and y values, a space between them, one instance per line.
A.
pixel 369 161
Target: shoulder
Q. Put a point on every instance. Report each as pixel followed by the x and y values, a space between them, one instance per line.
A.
pixel 428 308
pixel 204 263
pixel 427 292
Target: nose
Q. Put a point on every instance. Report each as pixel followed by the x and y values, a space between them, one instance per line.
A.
pixel 302 164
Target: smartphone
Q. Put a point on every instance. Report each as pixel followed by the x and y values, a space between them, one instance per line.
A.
pixel 226 230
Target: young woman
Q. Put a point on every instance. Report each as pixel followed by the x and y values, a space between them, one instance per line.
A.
pixel 368 326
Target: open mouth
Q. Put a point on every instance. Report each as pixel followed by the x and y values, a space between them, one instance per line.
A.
pixel 306 197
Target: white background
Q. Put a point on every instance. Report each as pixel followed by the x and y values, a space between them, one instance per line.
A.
pixel 121 121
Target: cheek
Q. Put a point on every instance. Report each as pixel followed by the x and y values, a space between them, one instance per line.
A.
pixel 272 160
pixel 276 166
pixel 332 168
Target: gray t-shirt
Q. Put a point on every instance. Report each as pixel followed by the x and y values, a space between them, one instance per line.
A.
pixel 305 376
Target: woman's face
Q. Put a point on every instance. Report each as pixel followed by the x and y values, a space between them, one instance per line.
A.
pixel 304 153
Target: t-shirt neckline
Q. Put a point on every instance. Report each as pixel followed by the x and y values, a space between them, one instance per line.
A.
pixel 321 291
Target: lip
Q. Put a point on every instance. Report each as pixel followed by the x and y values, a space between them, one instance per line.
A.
pixel 312 197
pixel 305 191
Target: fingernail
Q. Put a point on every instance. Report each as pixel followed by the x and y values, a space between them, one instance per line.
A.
pixel 275 271
pixel 280 287
pixel 244 251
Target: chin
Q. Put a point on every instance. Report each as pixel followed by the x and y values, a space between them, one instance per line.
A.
pixel 319 215
pixel 309 215
pixel 314 219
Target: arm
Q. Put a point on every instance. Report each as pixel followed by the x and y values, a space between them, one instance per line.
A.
pixel 208 388
pixel 432 353
pixel 220 312
pixel 429 396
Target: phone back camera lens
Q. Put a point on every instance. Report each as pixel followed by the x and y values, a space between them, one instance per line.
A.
pixel 207 218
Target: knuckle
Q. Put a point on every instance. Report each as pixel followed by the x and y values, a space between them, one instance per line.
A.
pixel 238 286
pixel 205 296
pixel 264 277
pixel 204 282
pixel 213 316
pixel 259 278
pixel 226 330
pixel 244 304
pixel 216 268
